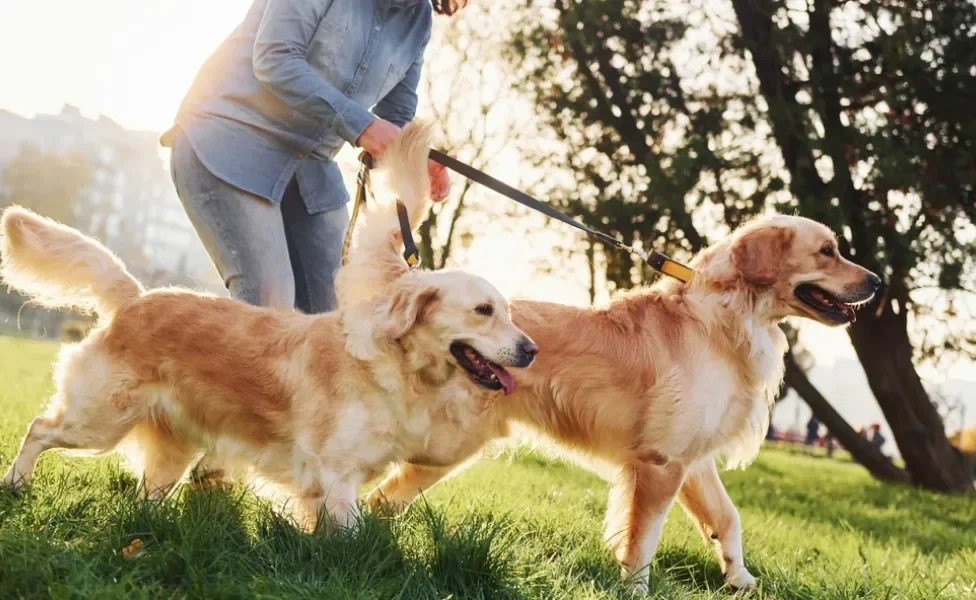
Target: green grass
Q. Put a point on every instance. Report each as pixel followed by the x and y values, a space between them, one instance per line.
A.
pixel 524 527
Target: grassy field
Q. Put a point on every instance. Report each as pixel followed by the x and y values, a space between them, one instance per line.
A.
pixel 524 527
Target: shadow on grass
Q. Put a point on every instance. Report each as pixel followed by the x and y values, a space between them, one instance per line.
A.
pixel 891 513
pixel 227 544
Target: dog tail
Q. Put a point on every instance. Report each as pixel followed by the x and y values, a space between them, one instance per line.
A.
pixel 59 267
pixel 376 257
pixel 404 167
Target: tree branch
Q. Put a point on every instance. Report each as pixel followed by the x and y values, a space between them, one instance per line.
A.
pixel 861 449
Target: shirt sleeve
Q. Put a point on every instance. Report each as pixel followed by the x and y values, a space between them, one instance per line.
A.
pixel 399 106
pixel 280 65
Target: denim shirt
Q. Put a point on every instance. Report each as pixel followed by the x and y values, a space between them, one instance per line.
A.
pixel 293 82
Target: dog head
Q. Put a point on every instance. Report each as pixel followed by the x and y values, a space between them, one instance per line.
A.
pixel 462 318
pixel 796 263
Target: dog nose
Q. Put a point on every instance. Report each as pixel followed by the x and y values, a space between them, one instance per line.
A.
pixel 528 348
pixel 875 280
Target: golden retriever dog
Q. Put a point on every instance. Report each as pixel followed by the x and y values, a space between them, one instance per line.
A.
pixel 315 404
pixel 652 390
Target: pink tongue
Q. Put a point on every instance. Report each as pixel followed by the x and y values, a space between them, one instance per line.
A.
pixel 506 379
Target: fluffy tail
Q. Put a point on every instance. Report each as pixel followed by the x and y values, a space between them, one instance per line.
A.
pixel 59 267
pixel 376 259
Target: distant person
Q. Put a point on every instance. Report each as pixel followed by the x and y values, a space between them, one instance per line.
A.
pixel 813 433
pixel 256 135
pixel 829 443
pixel 877 440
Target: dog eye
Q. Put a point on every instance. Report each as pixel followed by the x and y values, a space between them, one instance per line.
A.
pixel 485 310
pixel 827 251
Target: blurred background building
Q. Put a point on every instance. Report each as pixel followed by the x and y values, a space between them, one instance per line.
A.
pixel 108 181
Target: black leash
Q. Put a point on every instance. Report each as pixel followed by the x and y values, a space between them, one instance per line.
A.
pixel 411 253
pixel 656 260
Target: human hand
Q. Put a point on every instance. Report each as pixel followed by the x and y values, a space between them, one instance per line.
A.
pixel 377 136
pixel 440 183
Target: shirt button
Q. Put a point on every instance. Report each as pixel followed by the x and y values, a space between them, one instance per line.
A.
pixel 362 67
pixel 299 155
pixel 377 28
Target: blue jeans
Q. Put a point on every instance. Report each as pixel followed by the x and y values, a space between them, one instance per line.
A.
pixel 268 255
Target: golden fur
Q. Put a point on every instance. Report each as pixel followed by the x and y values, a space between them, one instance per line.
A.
pixel 652 389
pixel 315 404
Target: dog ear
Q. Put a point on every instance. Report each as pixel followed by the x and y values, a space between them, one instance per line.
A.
pixel 409 305
pixel 758 255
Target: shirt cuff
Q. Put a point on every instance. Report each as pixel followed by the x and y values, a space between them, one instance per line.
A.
pixel 351 121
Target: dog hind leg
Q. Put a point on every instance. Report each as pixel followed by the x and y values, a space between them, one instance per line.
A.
pixel 70 424
pixel 639 502
pixel 159 456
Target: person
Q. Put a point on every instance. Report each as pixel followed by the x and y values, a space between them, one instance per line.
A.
pixel 813 433
pixel 254 140
pixel 877 440
pixel 829 440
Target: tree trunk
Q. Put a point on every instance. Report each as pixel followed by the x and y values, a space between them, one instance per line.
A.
pixel 881 343
pixel 885 352
pixel 861 449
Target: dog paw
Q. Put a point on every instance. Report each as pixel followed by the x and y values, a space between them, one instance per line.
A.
pixel 740 579
pixel 639 588
pixel 215 479
pixel 636 583
pixel 11 486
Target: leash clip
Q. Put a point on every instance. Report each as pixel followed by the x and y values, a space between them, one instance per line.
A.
pixel 662 263
pixel 413 260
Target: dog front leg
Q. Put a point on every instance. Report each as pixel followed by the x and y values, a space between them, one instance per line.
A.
pixel 405 483
pixel 707 503
pixel 639 502
pixel 410 479
pixel 210 471
pixel 331 502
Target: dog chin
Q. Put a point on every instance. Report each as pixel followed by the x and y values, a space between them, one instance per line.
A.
pixel 829 321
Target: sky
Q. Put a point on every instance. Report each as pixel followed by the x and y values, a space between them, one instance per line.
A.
pixel 133 60
pixel 129 60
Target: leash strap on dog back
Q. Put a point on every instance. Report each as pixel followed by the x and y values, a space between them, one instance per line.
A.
pixel 656 260
pixel 411 252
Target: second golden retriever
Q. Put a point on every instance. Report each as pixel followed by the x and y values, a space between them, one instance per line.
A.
pixel 651 390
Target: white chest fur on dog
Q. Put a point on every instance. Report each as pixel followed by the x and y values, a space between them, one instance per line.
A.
pixel 747 425
pixel 710 408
